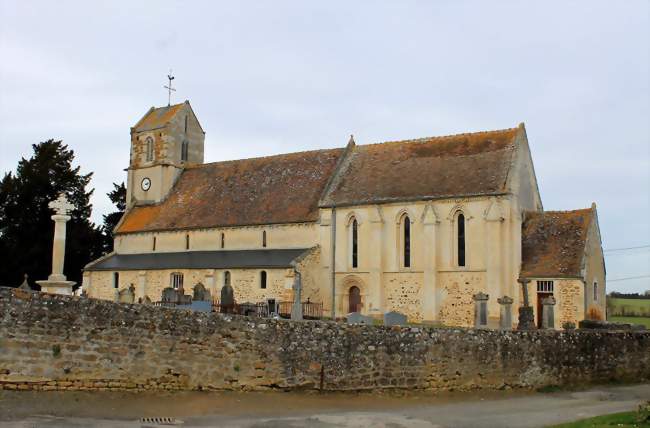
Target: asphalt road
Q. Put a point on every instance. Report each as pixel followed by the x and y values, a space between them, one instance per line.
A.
pixel 304 409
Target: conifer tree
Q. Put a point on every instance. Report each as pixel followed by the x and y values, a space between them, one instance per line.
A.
pixel 26 227
pixel 117 197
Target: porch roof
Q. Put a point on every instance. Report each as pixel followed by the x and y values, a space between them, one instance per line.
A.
pixel 223 259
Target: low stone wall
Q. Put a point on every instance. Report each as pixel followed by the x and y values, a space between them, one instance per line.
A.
pixel 51 342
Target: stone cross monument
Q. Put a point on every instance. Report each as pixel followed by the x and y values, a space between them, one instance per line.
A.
pixel 56 283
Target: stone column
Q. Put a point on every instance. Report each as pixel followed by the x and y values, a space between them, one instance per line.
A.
pixel 210 283
pixel 142 285
pixel 505 318
pixel 548 313
pixel 480 310
pixel 56 283
pixel 429 291
pixel 526 314
pixel 374 261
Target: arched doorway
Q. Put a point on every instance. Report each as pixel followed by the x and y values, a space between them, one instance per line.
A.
pixel 354 299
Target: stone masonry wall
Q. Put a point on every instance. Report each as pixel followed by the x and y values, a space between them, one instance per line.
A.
pixel 52 342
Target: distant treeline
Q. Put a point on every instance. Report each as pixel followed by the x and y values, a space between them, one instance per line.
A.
pixel 618 295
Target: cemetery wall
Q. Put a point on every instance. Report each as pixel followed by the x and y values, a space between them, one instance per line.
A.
pixel 53 342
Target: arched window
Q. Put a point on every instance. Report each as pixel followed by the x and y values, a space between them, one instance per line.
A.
pixel 263 279
pixel 595 291
pixel 184 149
pixel 355 243
pixel 187 241
pixel 223 240
pixel 226 278
pixel 176 280
pixel 149 149
pixel 460 231
pixel 186 124
pixel 264 238
pixel 406 229
pixel 116 280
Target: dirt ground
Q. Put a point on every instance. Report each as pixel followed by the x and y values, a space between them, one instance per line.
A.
pixel 309 409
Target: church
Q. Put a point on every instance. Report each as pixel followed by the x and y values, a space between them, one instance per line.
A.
pixel 417 226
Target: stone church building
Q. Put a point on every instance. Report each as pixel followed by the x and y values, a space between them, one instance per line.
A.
pixel 415 226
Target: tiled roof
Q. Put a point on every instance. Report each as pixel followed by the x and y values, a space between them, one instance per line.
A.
pixel 157 117
pixel 553 243
pixel 269 190
pixel 456 165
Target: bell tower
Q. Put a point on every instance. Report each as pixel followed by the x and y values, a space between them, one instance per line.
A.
pixel 164 142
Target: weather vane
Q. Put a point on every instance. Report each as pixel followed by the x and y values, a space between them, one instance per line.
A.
pixel 169 88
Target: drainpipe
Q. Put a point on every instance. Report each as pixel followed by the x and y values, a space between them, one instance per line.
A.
pixel 333 267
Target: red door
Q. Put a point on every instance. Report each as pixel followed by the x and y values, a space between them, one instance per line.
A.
pixel 354 300
pixel 541 296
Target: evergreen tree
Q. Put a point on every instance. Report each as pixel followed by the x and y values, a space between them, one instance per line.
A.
pixel 117 197
pixel 26 227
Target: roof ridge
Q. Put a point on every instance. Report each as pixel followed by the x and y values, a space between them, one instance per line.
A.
pixel 438 137
pixel 560 211
pixel 197 166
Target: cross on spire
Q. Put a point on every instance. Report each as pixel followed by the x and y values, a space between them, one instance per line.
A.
pixel 169 88
pixel 61 205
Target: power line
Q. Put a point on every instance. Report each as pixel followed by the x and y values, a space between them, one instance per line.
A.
pixel 628 278
pixel 609 250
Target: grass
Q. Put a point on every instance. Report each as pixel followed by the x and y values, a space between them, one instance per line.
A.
pixel 632 320
pixel 622 306
pixel 621 420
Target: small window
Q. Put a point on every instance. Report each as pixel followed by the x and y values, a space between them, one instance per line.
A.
pixel 461 239
pixel 264 238
pixel 116 280
pixel 226 278
pixel 149 149
pixel 263 279
pixel 544 286
pixel 223 240
pixel 184 149
pixel 595 291
pixel 186 124
pixel 153 244
pixel 187 241
pixel 355 243
pixel 407 241
pixel 176 280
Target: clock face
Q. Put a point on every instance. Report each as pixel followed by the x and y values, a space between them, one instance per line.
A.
pixel 146 184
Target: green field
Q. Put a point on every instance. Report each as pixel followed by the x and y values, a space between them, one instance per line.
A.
pixel 632 320
pixel 621 420
pixel 619 307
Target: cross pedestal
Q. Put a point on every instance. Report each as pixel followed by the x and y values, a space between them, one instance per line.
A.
pixel 57 283
pixel 526 314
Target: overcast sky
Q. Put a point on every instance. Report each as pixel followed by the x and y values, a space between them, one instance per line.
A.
pixel 271 77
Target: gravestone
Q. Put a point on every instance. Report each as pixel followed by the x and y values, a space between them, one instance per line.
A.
pixel 505 314
pixel 394 318
pixel 548 313
pixel 170 295
pixel 227 295
pixel 526 313
pixel 200 293
pixel 127 295
pixel 25 285
pixel 357 318
pixel 480 310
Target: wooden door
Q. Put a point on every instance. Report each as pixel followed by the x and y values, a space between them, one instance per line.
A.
pixel 354 300
pixel 541 296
